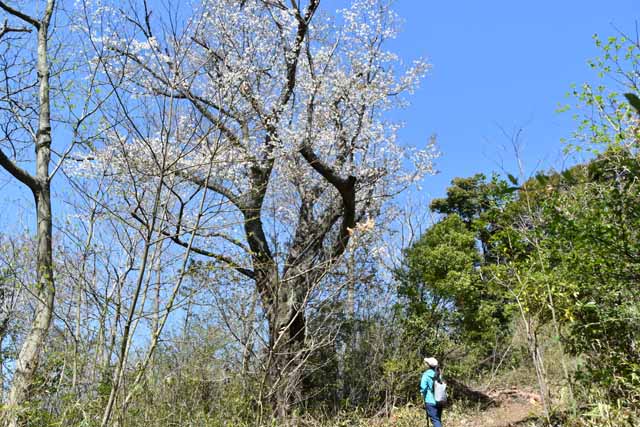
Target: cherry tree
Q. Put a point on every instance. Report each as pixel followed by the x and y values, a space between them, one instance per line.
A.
pixel 284 110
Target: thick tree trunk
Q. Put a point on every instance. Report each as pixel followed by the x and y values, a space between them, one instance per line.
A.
pixel 285 298
pixel 287 347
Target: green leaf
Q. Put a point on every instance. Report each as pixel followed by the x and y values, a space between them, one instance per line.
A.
pixel 633 100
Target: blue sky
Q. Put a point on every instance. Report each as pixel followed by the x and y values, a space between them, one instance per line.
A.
pixel 500 64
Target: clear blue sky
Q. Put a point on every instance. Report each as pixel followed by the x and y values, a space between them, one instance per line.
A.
pixel 500 63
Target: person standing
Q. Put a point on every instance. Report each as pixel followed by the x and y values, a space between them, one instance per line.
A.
pixel 434 411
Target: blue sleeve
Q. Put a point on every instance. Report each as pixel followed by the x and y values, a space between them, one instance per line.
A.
pixel 425 384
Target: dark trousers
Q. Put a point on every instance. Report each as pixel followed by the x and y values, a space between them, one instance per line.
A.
pixel 434 413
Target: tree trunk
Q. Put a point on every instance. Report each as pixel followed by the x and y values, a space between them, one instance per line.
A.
pixel 538 364
pixel 287 344
pixel 27 361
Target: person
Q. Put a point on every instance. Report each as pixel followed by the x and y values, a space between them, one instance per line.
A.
pixel 434 411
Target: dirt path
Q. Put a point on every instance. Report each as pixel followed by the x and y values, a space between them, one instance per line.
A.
pixel 508 414
pixel 519 410
pixel 510 408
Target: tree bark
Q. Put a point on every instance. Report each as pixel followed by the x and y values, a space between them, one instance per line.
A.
pixel 27 361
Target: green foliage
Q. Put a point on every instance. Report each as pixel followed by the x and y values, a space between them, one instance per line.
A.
pixel 634 101
pixel 604 115
pixel 477 202
pixel 449 306
pixel 561 249
pixel 442 289
pixel 594 239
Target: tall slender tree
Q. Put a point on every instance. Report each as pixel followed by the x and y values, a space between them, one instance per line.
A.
pixel 40 185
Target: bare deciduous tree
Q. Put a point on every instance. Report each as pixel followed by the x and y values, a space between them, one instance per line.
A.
pixel 31 82
pixel 40 185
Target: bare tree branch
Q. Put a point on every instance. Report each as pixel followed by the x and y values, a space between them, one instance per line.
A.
pixel 20 174
pixel 20 15
pixel 7 29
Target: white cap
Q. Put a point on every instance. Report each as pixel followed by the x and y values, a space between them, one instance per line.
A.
pixel 431 361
